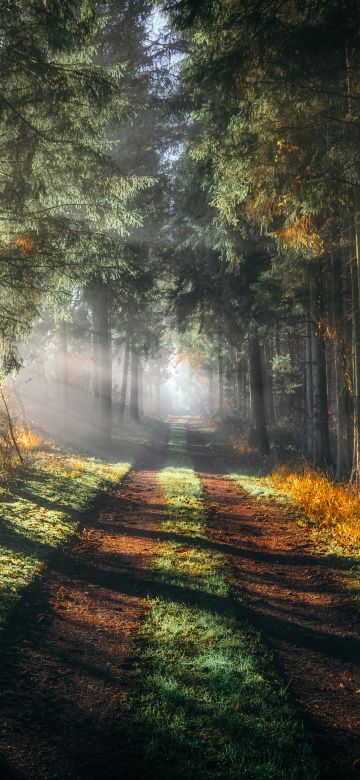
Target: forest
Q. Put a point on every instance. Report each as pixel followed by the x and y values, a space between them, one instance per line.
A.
pixel 179 389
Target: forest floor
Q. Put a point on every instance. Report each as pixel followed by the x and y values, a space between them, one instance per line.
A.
pixel 186 629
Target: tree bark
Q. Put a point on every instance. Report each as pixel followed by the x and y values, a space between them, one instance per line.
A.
pixel 134 390
pixel 321 447
pixel 309 388
pixel 104 357
pixel 221 380
pixel 141 390
pixel 158 388
pixel 259 434
pixel 355 295
pixel 343 427
pixel 63 363
pixel 124 382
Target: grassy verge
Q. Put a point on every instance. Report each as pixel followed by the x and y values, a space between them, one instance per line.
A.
pixel 211 706
pixel 329 512
pixel 40 506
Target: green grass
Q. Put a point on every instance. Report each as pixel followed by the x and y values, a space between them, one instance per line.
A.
pixel 42 502
pixel 40 508
pixel 210 705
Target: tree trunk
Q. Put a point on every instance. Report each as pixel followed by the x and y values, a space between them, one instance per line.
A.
pixel 134 390
pixel 259 435
pixel 104 357
pixel 141 390
pixel 309 388
pixel 221 381
pixel 355 295
pixel 321 448
pixel 124 381
pixel 158 388
pixel 212 392
pixel 94 345
pixel 269 385
pixel 63 363
pixel 343 433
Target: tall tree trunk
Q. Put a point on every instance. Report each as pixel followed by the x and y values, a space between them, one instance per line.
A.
pixel 237 371
pixel 309 387
pixel 158 388
pixel 104 362
pixel 259 435
pixel 124 381
pixel 141 389
pixel 212 393
pixel 134 390
pixel 221 380
pixel 63 363
pixel 343 433
pixel 321 449
pixel 355 282
pixel 269 385
pixel 94 344
pixel 355 295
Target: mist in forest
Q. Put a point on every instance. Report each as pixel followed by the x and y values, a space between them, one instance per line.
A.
pixel 59 390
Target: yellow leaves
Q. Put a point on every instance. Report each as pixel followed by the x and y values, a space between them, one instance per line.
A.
pixel 301 235
pixel 328 505
pixel 26 439
pixel 283 146
pixel 25 244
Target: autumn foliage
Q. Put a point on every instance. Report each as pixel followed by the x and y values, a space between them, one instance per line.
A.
pixel 331 507
pixel 27 439
pixel 301 235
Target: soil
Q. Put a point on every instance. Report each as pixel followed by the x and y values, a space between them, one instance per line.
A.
pixel 294 597
pixel 71 643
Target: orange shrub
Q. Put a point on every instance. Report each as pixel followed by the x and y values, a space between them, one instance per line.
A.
pixel 331 507
pixel 26 439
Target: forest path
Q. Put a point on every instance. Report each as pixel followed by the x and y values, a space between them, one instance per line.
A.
pixel 68 702
pixel 293 597
pixel 69 649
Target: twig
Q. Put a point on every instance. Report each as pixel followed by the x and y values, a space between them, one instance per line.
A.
pixel 12 434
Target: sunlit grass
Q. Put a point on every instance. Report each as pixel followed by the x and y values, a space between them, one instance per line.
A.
pixel 40 506
pixel 210 705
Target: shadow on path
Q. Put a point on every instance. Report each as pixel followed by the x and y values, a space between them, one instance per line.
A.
pixel 294 599
pixel 71 642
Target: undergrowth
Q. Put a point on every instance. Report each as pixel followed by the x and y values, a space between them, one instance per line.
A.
pixel 210 706
pixel 329 507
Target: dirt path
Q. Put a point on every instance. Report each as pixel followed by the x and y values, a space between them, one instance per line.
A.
pixel 69 649
pixel 294 599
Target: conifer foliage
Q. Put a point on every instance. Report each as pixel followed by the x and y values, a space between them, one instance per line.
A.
pixel 272 90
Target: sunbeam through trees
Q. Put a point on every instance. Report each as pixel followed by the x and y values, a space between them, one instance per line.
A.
pixel 179 389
